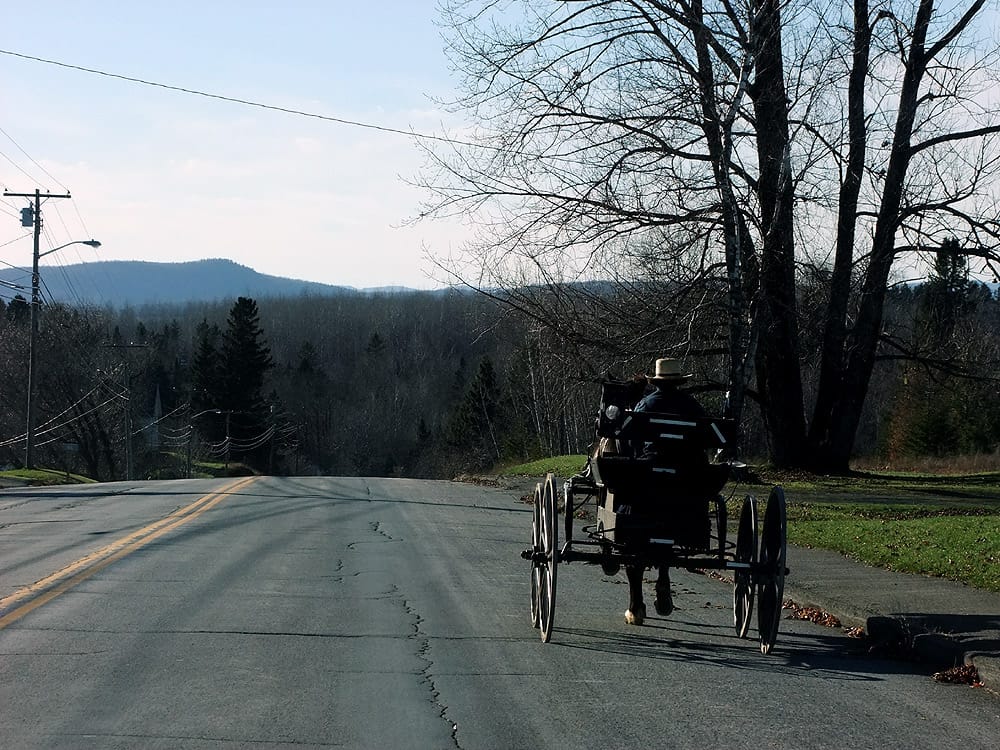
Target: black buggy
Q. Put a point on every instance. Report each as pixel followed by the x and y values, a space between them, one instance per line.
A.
pixel 640 509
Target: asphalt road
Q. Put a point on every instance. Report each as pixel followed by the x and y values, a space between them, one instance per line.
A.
pixel 377 613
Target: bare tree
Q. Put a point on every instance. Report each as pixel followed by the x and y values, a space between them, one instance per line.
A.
pixel 701 156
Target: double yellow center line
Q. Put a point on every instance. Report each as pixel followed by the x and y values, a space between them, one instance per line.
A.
pixel 29 598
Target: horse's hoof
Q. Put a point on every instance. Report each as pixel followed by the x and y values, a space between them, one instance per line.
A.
pixel 636 617
pixel 664 602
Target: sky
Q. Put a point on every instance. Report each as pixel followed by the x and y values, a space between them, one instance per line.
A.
pixel 160 175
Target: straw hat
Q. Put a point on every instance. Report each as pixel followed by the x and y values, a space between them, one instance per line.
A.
pixel 668 371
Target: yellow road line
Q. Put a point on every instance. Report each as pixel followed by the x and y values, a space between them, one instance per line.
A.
pixel 48 588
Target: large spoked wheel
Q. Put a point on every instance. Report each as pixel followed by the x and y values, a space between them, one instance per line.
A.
pixel 746 555
pixel 771 580
pixel 536 548
pixel 568 510
pixel 547 588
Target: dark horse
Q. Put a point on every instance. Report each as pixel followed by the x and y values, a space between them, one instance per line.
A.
pixel 663 603
pixel 681 516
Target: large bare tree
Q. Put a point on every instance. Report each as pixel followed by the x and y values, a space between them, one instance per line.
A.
pixel 699 157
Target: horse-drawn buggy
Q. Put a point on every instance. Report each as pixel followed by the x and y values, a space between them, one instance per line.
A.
pixel 649 497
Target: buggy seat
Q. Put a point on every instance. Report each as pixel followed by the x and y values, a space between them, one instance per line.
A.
pixel 656 471
pixel 665 452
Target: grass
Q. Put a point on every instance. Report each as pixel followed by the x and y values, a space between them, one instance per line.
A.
pixel 40 477
pixel 561 466
pixel 199 469
pixel 945 525
pixel 959 543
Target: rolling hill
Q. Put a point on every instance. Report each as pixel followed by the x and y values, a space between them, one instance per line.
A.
pixel 136 283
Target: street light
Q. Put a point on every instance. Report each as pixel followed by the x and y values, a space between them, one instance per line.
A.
pixel 29 446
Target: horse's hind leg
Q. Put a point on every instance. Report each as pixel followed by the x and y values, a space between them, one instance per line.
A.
pixel 636 612
pixel 664 602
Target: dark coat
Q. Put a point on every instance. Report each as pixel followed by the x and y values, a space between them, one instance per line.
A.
pixel 667 399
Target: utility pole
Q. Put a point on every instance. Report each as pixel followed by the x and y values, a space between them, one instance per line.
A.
pixel 129 457
pixel 34 216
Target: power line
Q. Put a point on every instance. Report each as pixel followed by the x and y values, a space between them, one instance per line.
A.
pixel 17 166
pixel 47 172
pixel 245 102
pixel 10 242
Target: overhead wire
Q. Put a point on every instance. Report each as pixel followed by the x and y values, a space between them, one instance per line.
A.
pixel 155 422
pixel 82 271
pixel 17 166
pixel 47 172
pixel 9 213
pixel 70 408
pixel 246 102
pixel 39 431
pixel 70 287
pixel 76 418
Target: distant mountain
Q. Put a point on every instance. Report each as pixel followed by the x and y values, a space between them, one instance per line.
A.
pixel 136 283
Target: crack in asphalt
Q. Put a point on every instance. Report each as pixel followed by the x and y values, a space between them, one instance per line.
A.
pixel 426 675
pixel 376 526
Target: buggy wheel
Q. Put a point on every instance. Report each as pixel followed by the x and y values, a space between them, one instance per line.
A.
pixel 568 509
pixel 771 580
pixel 536 547
pixel 746 554
pixel 549 540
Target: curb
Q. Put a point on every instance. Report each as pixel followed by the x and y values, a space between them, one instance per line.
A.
pixel 910 636
pixel 938 649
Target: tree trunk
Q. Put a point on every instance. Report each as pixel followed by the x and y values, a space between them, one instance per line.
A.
pixel 828 415
pixel 843 399
pixel 778 376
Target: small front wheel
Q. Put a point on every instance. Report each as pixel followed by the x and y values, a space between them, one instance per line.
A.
pixel 549 540
pixel 536 546
pixel 745 558
pixel 568 509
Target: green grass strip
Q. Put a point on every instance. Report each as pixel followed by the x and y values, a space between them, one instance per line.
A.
pixel 959 544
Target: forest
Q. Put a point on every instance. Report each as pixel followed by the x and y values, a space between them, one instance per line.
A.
pixel 430 384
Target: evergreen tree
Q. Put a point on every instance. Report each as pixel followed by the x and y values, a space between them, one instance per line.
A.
pixel 946 296
pixel 18 311
pixel 245 360
pixel 474 424
pixel 206 371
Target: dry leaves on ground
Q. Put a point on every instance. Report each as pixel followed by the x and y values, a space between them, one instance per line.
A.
pixel 966 674
pixel 812 614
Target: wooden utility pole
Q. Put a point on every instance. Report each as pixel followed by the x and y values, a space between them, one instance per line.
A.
pixel 33 215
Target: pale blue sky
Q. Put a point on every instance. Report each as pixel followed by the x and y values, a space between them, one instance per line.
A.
pixel 160 175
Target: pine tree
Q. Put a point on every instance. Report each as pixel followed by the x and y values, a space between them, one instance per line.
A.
pixel 946 296
pixel 245 360
pixel 474 425
pixel 206 377
pixel 18 311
